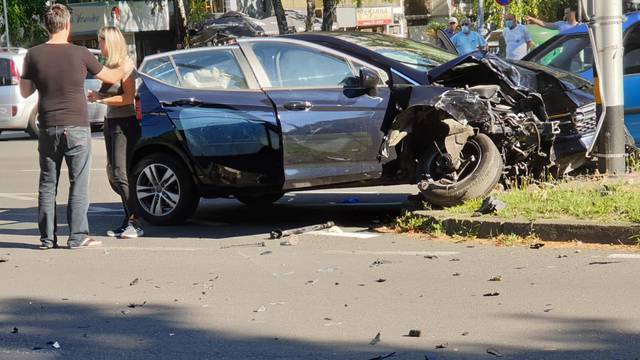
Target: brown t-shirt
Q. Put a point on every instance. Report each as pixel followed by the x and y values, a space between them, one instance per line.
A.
pixel 58 72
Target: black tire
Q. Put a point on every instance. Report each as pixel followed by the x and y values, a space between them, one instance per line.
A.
pixel 33 128
pixel 480 181
pixel 182 190
pixel 262 200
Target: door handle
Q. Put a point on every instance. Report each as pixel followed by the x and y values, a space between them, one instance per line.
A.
pixel 298 105
pixel 182 102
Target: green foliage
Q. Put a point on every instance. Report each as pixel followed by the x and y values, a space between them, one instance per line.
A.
pixel 606 202
pixel 546 10
pixel 434 26
pixel 25 30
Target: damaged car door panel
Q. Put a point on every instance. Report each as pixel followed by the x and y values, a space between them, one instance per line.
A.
pixel 267 116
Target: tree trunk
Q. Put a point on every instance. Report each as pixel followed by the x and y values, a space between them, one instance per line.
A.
pixel 328 7
pixel 182 21
pixel 281 18
pixel 311 15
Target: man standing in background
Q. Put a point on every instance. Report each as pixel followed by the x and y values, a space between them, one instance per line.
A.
pixel 516 37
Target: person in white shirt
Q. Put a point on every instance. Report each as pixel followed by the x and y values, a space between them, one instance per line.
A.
pixel 566 23
pixel 517 38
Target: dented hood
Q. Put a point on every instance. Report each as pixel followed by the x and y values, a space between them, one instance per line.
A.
pixel 518 74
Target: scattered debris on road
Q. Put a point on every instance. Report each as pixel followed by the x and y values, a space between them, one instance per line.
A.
pixel 490 205
pixel 266 252
pixel 492 294
pixel 536 246
pixel 381 280
pixel 278 234
pixel 311 282
pixel 415 333
pixel 465 333
pixel 494 352
pixel 431 257
pixel 383 356
pixel 133 305
pixel 604 262
pixel 375 340
pixel 134 282
pixel 496 278
pixel 262 308
pixel 379 262
pixel 14 330
pixel 442 346
pixel 455 259
pixel 54 344
pixel 456 274
pixel 3 260
pixel 258 244
pixel 562 256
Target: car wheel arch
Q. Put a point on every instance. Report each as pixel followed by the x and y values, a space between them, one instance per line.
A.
pixel 154 148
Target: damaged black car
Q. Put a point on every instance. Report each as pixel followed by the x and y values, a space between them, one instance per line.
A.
pixel 265 116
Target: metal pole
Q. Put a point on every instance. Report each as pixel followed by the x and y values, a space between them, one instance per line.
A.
pixel 610 50
pixel 480 16
pixel 6 23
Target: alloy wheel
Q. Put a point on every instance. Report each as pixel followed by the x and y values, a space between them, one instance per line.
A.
pixel 158 190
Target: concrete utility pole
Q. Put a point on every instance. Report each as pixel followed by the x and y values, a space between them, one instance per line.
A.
pixel 6 23
pixel 607 26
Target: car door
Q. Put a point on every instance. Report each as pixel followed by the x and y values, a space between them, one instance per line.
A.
pixel 632 81
pixel 225 122
pixel 331 134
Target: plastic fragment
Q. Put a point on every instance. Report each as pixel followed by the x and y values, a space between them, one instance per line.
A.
pixel 375 340
pixel 494 352
pixel 415 333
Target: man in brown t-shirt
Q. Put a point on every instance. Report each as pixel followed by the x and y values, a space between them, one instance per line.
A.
pixel 57 69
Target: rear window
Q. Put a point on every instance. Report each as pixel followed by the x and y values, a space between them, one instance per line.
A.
pixel 5 72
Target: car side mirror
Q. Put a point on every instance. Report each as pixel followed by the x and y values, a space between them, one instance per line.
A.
pixel 369 81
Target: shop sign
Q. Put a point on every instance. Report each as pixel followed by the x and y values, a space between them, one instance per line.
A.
pixel 373 16
pixel 129 16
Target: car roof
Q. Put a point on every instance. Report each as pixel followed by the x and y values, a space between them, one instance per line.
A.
pixel 632 19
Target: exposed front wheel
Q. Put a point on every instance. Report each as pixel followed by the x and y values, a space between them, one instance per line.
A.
pixel 477 176
pixel 164 190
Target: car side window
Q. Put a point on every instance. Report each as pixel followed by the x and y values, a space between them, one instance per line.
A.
pixel 570 53
pixel 211 69
pixel 632 51
pixel 294 66
pixel 161 69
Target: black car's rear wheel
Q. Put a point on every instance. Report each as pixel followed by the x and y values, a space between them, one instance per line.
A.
pixel 164 190
pixel 478 175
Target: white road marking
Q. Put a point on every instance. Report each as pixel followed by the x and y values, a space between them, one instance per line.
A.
pixel 401 253
pixel 19 196
pixel 358 235
pixel 624 256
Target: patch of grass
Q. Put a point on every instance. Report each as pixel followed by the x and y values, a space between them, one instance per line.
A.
pixel 409 222
pixel 599 201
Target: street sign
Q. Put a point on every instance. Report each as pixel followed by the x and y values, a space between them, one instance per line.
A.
pixel 504 2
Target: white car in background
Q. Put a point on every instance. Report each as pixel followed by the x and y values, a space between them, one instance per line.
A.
pixel 18 113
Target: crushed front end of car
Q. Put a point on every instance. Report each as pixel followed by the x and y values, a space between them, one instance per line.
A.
pixel 541 122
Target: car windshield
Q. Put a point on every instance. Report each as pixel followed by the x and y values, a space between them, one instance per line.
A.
pixel 412 53
pixel 570 53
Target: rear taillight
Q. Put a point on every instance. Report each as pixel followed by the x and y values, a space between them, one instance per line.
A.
pixel 15 75
pixel 14 110
pixel 138 109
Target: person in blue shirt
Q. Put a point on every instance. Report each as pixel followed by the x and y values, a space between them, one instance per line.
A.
pixel 452 29
pixel 566 23
pixel 467 40
pixel 516 37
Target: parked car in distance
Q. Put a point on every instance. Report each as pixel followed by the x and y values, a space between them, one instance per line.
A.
pixel 18 113
pixel 323 110
pixel 571 51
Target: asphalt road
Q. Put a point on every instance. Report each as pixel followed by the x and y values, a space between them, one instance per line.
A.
pixel 178 293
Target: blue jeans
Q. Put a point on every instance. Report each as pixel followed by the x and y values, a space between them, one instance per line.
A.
pixel 73 144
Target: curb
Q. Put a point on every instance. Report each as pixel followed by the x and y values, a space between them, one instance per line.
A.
pixel 547 229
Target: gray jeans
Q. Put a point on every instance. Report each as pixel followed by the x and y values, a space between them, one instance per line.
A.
pixel 73 144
